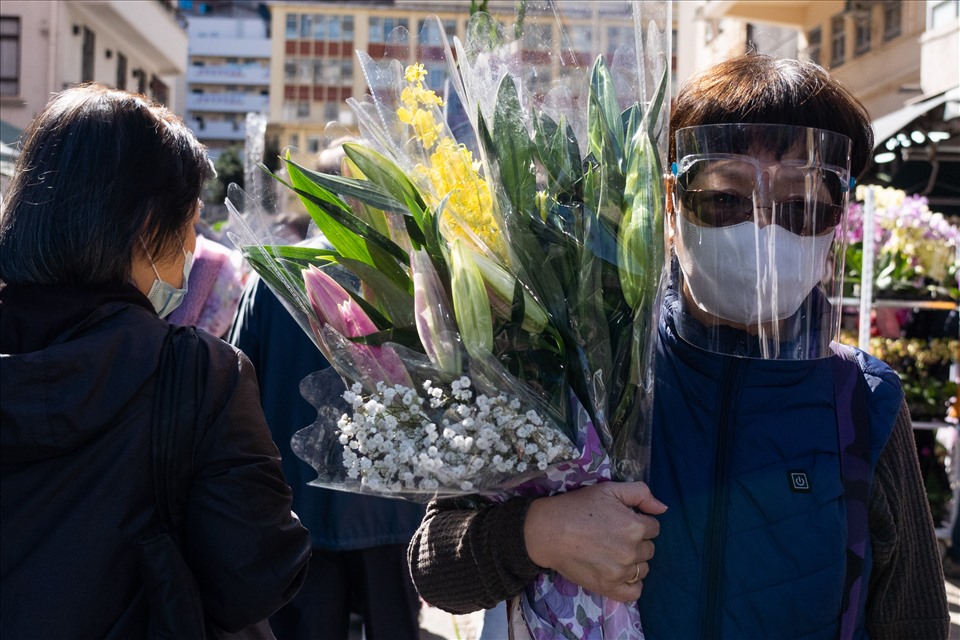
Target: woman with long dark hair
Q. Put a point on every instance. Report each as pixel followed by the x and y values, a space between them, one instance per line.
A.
pixel 96 242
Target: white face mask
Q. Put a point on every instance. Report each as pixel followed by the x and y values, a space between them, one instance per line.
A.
pixel 165 297
pixel 747 275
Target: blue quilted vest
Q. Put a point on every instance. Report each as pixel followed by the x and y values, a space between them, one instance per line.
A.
pixel 745 453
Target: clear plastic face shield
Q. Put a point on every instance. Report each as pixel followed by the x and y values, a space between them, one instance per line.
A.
pixel 757 211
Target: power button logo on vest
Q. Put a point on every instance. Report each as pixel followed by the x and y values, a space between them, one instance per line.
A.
pixel 799 482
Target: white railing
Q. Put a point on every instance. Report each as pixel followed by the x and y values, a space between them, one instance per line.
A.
pixel 239 47
pixel 216 129
pixel 230 74
pixel 227 102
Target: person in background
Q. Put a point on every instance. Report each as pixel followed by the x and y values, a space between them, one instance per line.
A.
pixel 765 527
pixel 214 288
pixel 359 542
pixel 96 244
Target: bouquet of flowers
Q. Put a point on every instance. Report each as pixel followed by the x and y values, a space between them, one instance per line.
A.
pixel 489 297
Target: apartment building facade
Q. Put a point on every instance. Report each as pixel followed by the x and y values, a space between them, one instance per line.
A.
pixel 46 47
pixel 315 69
pixel 228 76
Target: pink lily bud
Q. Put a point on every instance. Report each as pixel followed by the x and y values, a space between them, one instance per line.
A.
pixel 435 326
pixel 335 307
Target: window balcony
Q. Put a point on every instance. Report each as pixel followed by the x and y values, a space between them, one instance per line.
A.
pixel 217 129
pixel 250 74
pixel 227 102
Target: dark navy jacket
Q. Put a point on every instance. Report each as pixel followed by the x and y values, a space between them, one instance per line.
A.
pixel 753 549
pixel 283 355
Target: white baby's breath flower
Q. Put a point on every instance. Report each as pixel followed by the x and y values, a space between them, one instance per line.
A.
pixel 392 444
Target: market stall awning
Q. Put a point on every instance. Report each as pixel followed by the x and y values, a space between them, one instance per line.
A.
pixel 918 151
pixel 891 124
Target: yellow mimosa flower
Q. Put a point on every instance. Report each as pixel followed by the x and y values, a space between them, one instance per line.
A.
pixel 415 73
pixel 451 171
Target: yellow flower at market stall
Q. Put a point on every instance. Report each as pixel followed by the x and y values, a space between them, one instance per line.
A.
pixel 450 170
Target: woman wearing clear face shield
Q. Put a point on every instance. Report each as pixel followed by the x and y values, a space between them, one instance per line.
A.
pixel 788 496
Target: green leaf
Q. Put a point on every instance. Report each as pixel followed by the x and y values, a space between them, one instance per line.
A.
pixel 306 255
pixel 631 118
pixel 346 232
pixel 280 275
pixel 514 152
pixel 326 210
pixel 603 114
pixel 640 246
pixel 363 190
pixel 652 115
pixel 556 147
pixel 383 172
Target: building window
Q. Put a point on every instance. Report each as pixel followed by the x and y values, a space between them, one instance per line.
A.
pixel 320 28
pixel 9 56
pixel 290 70
pixel 712 29
pixel 432 37
pixel 292 19
pixel 581 39
pixel 303 109
pixel 86 60
pixel 121 71
pixel 331 111
pixel 306 26
pixel 814 43
pixel 617 36
pixel 346 72
pixel 838 40
pixel 331 73
pixel 348 29
pixel 380 28
pixel 944 13
pixel 892 18
pixel 305 76
pixel 159 90
pixel 141 77
pixel 864 25
pixel 313 144
pixel 334 28
pixel 538 36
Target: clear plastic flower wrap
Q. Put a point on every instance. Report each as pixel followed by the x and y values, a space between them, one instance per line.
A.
pixel 494 263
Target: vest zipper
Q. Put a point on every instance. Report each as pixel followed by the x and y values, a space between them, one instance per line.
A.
pixel 712 589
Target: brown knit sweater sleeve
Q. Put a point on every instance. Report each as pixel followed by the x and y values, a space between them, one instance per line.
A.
pixel 470 556
pixel 906 596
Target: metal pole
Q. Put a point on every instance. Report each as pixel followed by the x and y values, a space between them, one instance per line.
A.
pixel 866 271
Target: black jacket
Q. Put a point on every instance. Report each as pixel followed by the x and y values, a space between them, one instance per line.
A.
pixel 76 489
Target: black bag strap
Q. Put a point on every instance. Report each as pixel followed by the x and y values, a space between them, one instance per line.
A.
pixel 176 608
pixel 175 410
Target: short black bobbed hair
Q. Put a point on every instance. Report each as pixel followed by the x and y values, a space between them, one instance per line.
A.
pixel 100 171
pixel 759 89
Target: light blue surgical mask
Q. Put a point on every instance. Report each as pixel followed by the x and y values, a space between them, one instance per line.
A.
pixel 165 297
